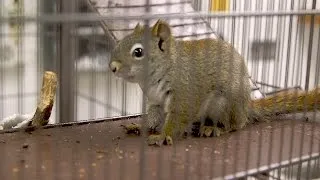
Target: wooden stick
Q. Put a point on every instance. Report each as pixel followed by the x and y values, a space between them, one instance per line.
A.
pixel 46 101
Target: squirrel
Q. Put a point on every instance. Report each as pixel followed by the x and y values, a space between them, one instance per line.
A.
pixel 201 81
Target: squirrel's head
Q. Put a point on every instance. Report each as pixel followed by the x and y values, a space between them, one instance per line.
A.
pixel 129 55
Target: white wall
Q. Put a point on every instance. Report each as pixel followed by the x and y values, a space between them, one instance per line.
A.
pixel 106 89
pixel 273 72
pixel 23 54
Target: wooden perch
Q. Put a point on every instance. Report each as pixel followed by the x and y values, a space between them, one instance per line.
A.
pixel 46 101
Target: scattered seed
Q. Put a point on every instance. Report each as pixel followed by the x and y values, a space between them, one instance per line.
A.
pixel 24 146
pixel 100 156
pixel 101 151
pixel 15 170
pixel 82 170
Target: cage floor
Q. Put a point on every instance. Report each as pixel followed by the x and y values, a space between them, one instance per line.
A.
pixel 102 151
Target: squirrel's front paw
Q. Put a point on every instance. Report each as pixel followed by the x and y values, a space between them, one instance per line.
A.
pixel 132 128
pixel 159 140
pixel 208 131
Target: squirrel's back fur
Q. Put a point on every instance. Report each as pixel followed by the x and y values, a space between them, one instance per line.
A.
pixel 211 65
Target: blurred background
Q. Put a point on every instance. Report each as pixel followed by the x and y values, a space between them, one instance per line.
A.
pixel 280 51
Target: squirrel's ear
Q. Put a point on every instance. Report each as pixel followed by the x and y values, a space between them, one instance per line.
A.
pixel 161 29
pixel 138 28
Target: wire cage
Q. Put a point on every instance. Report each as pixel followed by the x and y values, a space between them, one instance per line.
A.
pixel 84 137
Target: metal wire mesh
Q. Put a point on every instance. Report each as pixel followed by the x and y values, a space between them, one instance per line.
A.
pixel 279 40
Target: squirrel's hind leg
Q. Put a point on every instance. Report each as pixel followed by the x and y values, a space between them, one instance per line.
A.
pixel 239 118
pixel 214 115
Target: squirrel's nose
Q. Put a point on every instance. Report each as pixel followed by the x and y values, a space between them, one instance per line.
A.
pixel 113 69
pixel 115 66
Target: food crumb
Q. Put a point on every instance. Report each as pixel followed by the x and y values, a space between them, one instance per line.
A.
pixel 101 151
pixel 82 170
pixel 187 149
pixel 100 156
pixel 24 146
pixel 15 170
pixel 116 138
pixel 132 128
pixel 94 164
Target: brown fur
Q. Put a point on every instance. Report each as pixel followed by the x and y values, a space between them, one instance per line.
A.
pixel 288 102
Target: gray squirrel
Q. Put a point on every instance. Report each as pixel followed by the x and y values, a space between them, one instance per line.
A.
pixel 204 81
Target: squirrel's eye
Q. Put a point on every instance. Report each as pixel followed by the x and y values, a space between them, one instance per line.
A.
pixel 137 51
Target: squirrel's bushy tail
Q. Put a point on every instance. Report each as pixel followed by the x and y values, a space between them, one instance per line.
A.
pixel 284 103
